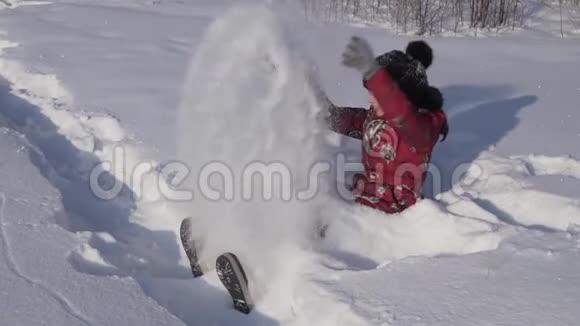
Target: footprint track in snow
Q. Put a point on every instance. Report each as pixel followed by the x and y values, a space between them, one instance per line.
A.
pixel 539 165
pixel 507 188
pixel 65 146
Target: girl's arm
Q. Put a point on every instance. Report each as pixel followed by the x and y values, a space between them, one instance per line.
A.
pixel 346 121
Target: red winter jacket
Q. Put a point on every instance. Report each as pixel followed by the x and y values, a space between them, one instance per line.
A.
pixel 396 147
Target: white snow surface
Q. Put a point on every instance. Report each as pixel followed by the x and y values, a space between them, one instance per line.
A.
pixel 84 83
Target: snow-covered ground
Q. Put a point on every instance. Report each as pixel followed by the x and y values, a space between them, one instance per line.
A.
pixel 144 84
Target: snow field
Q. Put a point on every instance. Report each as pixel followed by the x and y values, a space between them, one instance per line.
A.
pixel 496 247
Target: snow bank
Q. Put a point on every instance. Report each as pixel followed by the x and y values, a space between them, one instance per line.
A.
pixel 502 187
pixel 69 147
pixel 427 229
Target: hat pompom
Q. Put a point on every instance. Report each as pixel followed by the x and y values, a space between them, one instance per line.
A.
pixel 421 51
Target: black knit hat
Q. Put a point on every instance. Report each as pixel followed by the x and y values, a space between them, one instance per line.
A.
pixel 409 70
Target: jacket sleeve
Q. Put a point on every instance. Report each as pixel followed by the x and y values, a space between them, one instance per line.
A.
pixel 347 121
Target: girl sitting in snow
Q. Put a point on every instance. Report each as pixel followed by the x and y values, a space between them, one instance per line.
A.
pixel 400 129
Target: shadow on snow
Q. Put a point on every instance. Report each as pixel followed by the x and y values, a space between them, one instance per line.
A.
pixel 479 117
pixel 151 257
